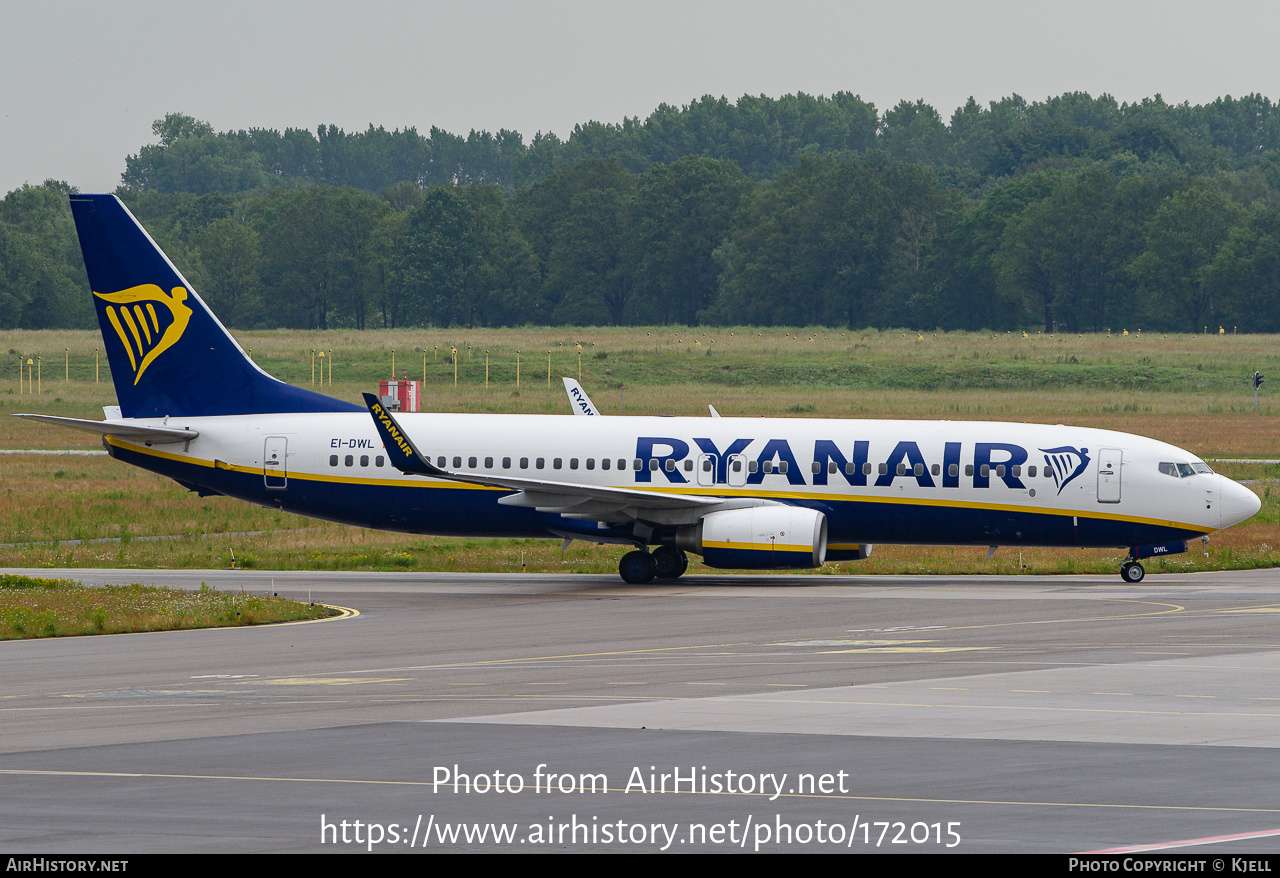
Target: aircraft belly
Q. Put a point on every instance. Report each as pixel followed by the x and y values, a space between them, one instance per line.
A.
pixel 877 522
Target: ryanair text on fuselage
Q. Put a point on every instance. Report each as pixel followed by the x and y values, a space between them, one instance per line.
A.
pixel 775 458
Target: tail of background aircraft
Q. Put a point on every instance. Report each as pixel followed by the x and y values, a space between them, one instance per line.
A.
pixel 169 354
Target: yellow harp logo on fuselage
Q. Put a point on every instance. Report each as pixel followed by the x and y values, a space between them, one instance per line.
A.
pixel 144 332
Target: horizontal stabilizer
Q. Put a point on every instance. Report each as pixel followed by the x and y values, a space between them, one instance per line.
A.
pixel 156 435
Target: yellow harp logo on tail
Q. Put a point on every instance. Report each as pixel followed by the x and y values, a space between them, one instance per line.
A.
pixel 148 320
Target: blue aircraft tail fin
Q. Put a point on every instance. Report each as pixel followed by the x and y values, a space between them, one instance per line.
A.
pixel 169 354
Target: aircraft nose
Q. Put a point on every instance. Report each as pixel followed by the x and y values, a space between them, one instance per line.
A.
pixel 1238 503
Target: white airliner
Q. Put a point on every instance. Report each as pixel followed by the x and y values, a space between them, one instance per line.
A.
pixel 746 493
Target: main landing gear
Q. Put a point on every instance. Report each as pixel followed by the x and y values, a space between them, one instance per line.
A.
pixel 1132 571
pixel 639 567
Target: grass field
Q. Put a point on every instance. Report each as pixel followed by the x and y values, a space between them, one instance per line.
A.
pixel 1192 391
pixel 32 607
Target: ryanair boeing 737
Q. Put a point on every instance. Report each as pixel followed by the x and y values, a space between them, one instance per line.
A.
pixel 742 493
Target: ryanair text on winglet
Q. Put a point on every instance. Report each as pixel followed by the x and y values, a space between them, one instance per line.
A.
pixel 389 426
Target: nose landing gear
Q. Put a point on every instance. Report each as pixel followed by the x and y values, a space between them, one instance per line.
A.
pixel 1132 571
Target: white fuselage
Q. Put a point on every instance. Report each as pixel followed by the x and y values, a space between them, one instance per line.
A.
pixel 944 482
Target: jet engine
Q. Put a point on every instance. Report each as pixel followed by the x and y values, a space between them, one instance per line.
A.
pixel 758 538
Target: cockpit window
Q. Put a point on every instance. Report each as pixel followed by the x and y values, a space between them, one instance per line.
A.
pixel 1183 470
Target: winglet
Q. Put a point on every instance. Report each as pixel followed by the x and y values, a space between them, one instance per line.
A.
pixel 582 404
pixel 401 451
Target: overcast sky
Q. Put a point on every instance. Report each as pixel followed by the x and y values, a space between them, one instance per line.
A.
pixel 81 82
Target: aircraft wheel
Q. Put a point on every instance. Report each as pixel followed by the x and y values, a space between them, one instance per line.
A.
pixel 637 567
pixel 670 562
pixel 1132 571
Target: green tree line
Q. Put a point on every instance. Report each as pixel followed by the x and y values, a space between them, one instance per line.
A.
pixel 1075 214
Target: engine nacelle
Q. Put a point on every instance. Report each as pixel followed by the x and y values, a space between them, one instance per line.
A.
pixel 758 538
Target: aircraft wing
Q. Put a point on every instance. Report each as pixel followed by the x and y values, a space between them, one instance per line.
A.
pixel 578 399
pixel 547 496
pixel 154 435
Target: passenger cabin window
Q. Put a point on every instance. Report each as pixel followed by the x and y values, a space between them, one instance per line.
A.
pixel 471 463
pixel 524 463
pixel 379 460
pixel 937 469
pixel 457 463
pixel 953 470
pixel 604 463
pixel 557 463
pixel 591 463
pixel 1031 471
pixel 488 463
pixel 506 463
pixel 350 461
pixel 333 460
pixel 364 460
pixel 440 462
pixel 540 463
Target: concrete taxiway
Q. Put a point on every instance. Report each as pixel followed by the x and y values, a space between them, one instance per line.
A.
pixel 807 713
